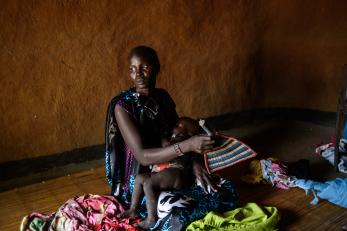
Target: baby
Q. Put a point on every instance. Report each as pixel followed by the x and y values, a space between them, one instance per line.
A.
pixel 174 175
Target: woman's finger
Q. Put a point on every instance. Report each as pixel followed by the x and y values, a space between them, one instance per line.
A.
pixel 209 142
pixel 201 183
pixel 207 147
pixel 206 137
pixel 209 182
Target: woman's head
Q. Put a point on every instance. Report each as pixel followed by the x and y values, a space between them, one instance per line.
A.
pixel 144 67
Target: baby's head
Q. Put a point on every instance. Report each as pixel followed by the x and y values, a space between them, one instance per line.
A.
pixel 185 127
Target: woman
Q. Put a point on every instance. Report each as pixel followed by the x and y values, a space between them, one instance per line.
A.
pixel 138 123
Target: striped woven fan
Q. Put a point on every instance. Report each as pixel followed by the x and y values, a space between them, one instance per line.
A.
pixel 230 151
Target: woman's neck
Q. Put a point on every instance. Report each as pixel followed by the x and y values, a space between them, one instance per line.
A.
pixel 144 92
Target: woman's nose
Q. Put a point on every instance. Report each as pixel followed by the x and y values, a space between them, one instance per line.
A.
pixel 138 76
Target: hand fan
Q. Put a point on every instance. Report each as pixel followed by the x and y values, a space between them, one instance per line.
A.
pixel 227 152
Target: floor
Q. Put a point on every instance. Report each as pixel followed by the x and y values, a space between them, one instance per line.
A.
pixel 47 196
pixel 286 140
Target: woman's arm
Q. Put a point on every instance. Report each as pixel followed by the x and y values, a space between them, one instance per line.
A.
pixel 148 156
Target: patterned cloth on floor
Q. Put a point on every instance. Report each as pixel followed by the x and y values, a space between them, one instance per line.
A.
pixel 334 191
pixel 277 173
pixel 251 217
pixel 327 151
pixel 254 174
pixel 83 213
pixel 269 171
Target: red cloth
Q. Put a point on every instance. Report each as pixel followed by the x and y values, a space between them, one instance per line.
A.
pixel 82 213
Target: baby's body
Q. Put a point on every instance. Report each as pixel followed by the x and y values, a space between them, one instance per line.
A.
pixel 174 175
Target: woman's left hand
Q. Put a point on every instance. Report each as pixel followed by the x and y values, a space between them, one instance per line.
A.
pixel 202 177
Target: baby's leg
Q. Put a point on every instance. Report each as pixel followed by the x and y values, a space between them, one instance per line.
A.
pixel 136 196
pixel 171 179
pixel 150 190
pixel 167 179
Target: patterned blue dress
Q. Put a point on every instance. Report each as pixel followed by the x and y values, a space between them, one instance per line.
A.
pixel 176 209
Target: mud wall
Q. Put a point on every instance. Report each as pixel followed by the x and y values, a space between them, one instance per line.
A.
pixel 61 62
pixel 304 46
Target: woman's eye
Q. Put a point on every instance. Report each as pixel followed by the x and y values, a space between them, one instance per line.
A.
pixel 145 68
pixel 132 70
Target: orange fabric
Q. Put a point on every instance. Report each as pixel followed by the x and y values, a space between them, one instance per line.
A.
pixel 160 167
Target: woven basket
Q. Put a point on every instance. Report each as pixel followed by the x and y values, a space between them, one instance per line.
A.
pixel 229 151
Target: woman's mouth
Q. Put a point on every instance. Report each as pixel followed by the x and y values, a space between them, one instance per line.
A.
pixel 142 86
pixel 141 83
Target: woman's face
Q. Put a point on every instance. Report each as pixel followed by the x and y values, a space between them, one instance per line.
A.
pixel 141 74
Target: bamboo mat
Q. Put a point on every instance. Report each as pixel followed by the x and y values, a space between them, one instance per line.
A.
pixel 296 211
pixel 294 205
pixel 48 196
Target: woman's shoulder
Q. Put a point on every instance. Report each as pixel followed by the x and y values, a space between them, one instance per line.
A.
pixel 161 91
pixel 128 95
pixel 163 96
pixel 124 99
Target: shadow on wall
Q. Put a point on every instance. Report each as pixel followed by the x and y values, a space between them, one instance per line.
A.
pixel 303 50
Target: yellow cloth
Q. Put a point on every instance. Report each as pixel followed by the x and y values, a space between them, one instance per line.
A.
pixel 251 217
pixel 255 174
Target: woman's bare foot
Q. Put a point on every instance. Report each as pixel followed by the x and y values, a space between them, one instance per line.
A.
pixel 130 213
pixel 146 224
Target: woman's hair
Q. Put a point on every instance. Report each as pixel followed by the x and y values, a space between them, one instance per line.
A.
pixel 148 54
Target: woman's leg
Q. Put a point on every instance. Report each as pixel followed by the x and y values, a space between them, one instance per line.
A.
pixel 193 204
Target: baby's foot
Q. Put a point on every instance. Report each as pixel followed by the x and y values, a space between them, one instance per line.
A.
pixel 146 224
pixel 130 213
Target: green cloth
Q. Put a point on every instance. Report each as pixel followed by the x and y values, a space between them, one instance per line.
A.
pixel 251 217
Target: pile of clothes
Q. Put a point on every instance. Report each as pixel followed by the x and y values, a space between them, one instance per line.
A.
pixel 250 217
pixel 327 151
pixel 80 213
pixel 99 213
pixel 276 173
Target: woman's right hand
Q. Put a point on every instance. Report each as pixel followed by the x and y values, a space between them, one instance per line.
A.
pixel 198 143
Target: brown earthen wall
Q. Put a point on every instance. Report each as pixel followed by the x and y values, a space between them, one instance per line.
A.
pixel 62 61
pixel 303 48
